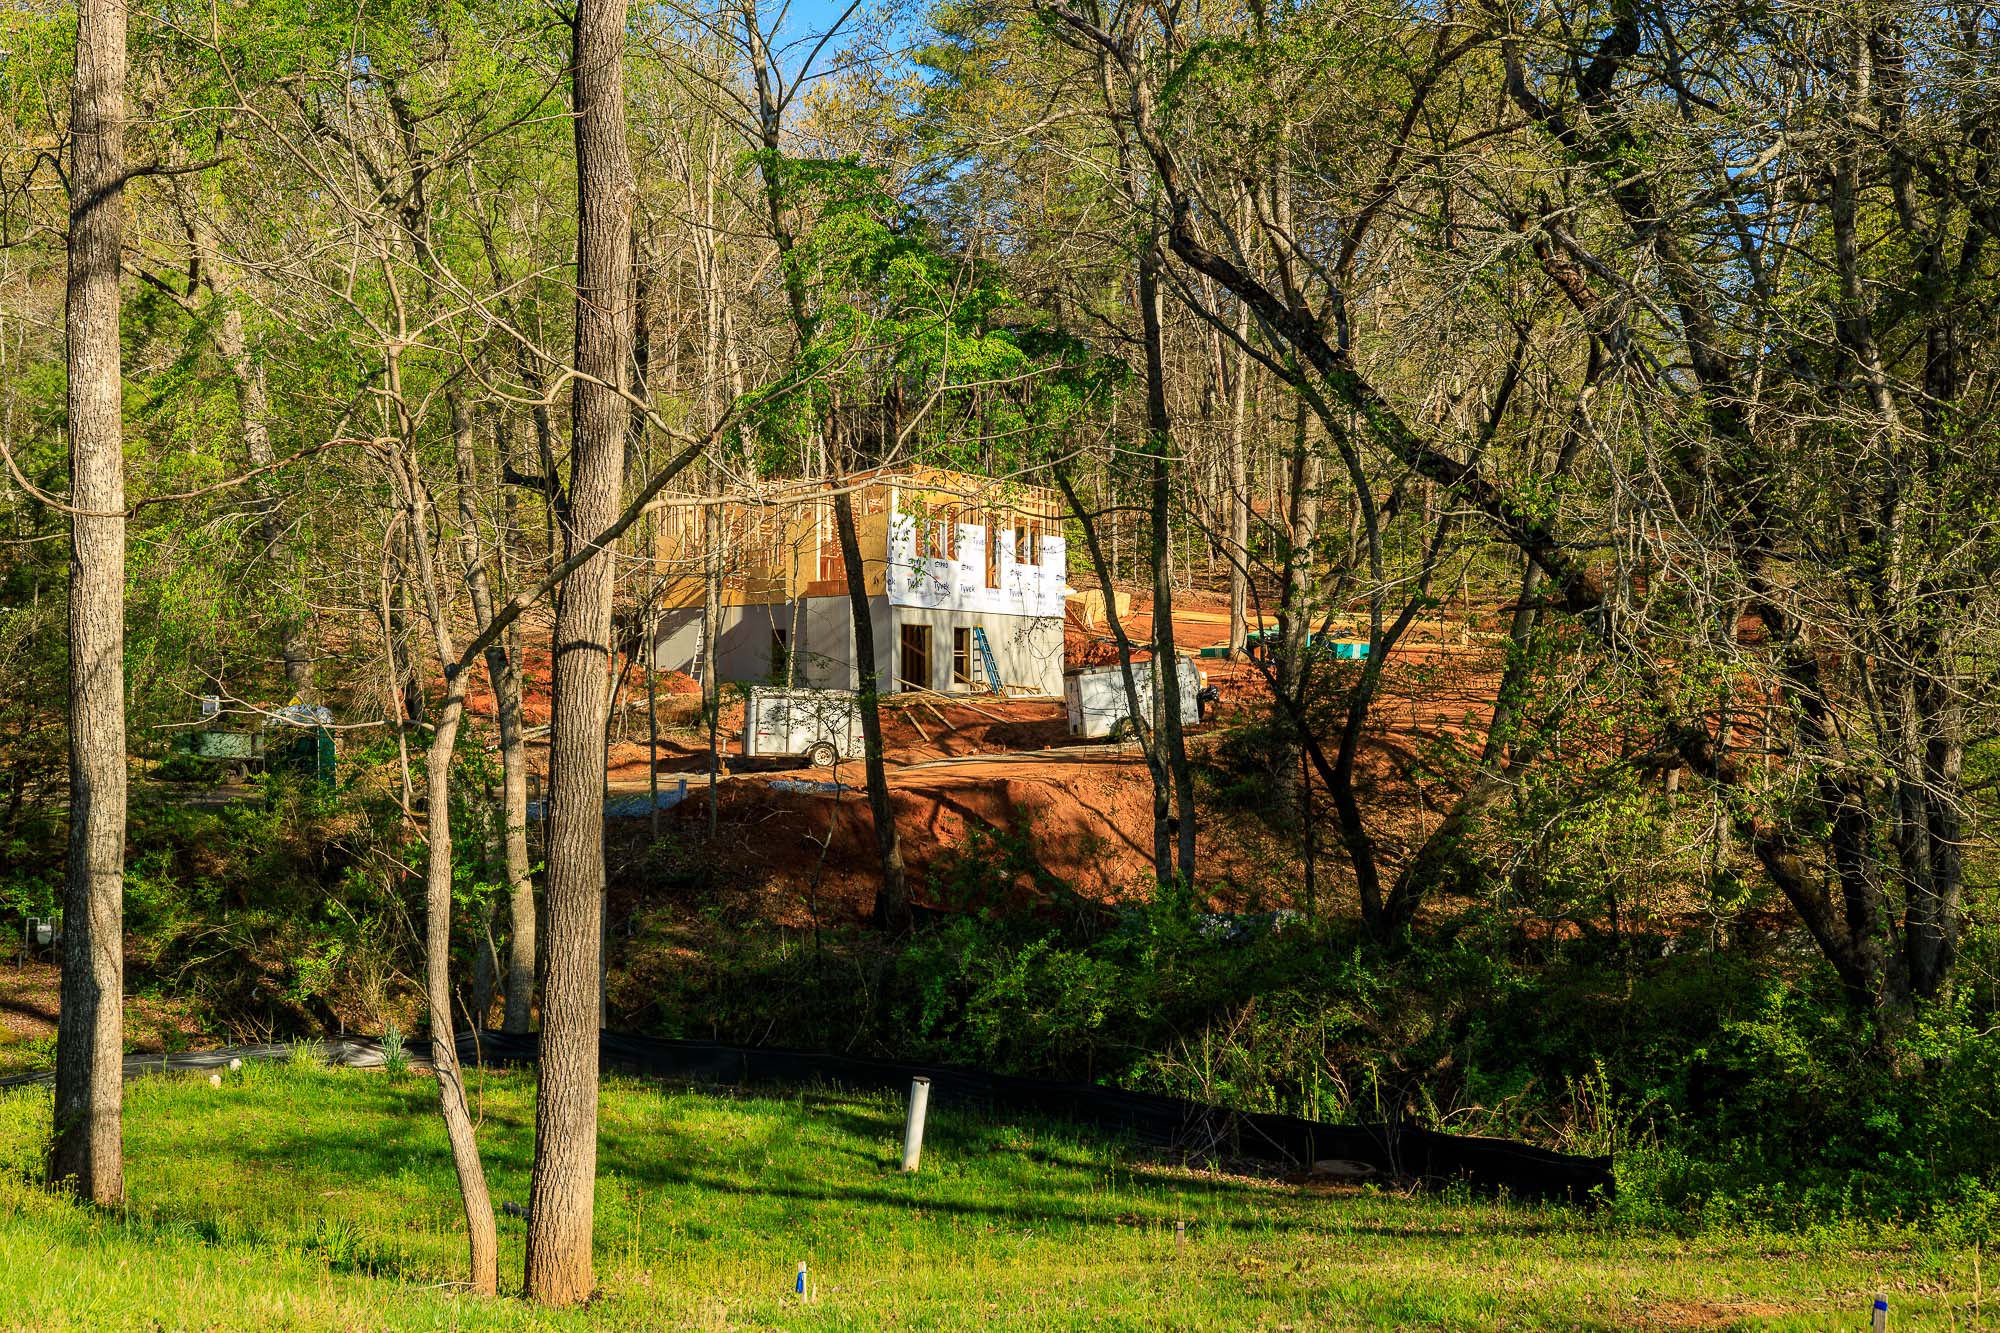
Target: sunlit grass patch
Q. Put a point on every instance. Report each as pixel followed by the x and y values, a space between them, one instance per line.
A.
pixel 298 1197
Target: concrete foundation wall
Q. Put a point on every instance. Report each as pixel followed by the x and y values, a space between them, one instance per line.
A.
pixel 828 624
pixel 1029 649
pixel 742 650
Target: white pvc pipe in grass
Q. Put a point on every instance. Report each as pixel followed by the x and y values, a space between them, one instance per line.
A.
pixel 913 1129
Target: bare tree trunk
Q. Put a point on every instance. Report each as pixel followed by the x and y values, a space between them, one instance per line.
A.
pixel 652 631
pixel 1163 863
pixel 519 1005
pixel 715 349
pixel 559 1269
pixel 1239 493
pixel 503 675
pixel 503 665
pixel 1502 757
pixel 88 1147
pixel 638 457
pixel 711 629
pixel 486 952
pixel 1166 664
pixel 892 903
pixel 481 1238
pixel 396 618
pixel 1294 628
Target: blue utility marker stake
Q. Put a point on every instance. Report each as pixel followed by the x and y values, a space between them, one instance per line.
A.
pixel 800 1285
pixel 1881 1321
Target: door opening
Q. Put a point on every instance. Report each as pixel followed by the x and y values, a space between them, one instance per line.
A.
pixel 961 656
pixel 915 670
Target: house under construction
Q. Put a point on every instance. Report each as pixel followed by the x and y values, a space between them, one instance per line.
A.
pixel 946 557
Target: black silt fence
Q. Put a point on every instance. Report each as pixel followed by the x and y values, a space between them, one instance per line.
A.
pixel 1191 1128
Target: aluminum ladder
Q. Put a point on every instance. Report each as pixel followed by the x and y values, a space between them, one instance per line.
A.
pixel 986 658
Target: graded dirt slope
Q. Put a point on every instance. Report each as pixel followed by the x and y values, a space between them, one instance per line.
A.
pixel 1005 772
pixel 799 843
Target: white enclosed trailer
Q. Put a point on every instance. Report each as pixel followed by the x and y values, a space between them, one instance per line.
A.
pixel 1097 703
pixel 822 725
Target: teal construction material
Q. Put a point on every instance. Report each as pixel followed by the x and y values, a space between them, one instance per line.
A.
pixel 1262 640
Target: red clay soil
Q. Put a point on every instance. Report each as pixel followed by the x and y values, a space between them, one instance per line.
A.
pixel 534 682
pixel 1086 811
pixel 919 727
pixel 915 728
pixel 674 688
pixel 1087 817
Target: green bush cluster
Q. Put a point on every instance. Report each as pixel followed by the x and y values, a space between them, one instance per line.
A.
pixel 1733 1091
pixel 293 915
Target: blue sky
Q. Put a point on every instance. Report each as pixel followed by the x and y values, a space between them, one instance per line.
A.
pixel 806 19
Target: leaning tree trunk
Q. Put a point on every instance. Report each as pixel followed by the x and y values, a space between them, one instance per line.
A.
pixel 565 1175
pixel 481 1237
pixel 1299 501
pixel 892 903
pixel 1163 855
pixel 503 676
pixel 88 1148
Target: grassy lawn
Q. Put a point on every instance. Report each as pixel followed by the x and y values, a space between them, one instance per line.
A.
pixel 301 1198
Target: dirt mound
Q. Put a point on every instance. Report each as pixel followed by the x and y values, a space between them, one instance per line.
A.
pixel 678 755
pixel 676 682
pixel 919 727
pixel 1060 819
pixel 794 845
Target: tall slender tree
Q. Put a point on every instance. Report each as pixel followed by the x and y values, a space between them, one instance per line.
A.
pixel 88 1148
pixel 565 1175
pixel 892 901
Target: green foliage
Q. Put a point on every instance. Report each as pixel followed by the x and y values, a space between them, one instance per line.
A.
pixel 1785 1116
pixel 289 915
pixel 1732 1093
pixel 394 1058
pixel 887 316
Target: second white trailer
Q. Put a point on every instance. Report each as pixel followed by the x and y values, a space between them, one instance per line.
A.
pixel 1097 702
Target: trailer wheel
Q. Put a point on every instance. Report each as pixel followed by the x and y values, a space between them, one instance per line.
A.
pixel 823 755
